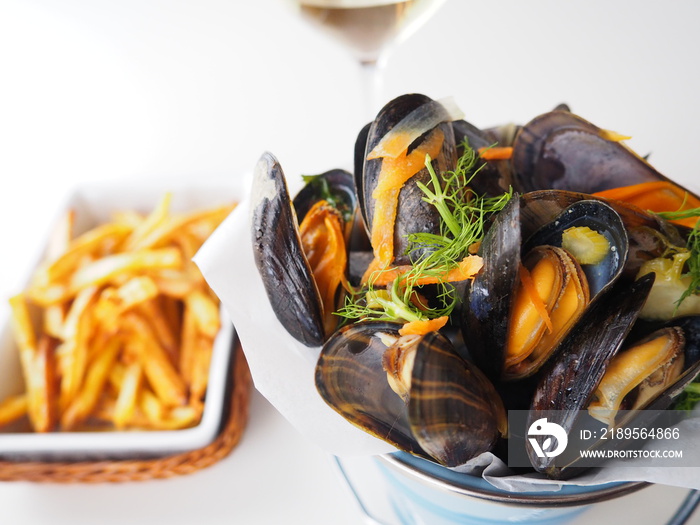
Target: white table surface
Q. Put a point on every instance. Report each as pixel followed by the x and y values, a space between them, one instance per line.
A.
pixel 127 90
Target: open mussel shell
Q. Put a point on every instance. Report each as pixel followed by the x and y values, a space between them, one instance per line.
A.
pixel 690 328
pixel 450 412
pixel 571 377
pixel 487 322
pixel 413 214
pixel 649 235
pixel 599 217
pixel 279 255
pixel 337 186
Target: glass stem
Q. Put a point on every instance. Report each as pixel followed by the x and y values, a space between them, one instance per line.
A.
pixel 371 80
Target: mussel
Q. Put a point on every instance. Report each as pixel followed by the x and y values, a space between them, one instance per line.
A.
pixel 392 204
pixel 531 292
pixel 301 265
pixel 618 375
pixel 560 150
pixel 412 391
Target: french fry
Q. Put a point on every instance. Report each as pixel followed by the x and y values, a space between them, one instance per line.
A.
pixel 157 217
pixel 161 328
pixel 151 407
pixel 188 344
pixel 163 233
pixel 89 243
pixel 205 226
pixel 160 417
pixel 187 243
pixel 13 408
pixel 22 326
pixel 74 350
pixel 37 367
pixel 129 218
pixel 115 301
pixel 54 318
pixel 200 368
pixel 176 284
pixel 48 295
pixel 127 395
pixel 205 312
pixel 103 270
pixel 159 371
pixel 180 417
pixel 171 310
pixel 96 376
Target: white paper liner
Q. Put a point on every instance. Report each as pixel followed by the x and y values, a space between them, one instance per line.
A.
pixel 283 371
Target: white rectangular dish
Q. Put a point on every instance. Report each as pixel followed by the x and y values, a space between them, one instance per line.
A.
pixel 94 205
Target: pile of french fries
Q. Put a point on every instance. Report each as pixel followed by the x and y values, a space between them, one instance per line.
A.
pixel 116 328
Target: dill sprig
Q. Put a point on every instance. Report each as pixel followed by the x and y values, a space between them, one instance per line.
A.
pixel 693 246
pixel 380 305
pixel 679 215
pixel 463 214
pixel 693 264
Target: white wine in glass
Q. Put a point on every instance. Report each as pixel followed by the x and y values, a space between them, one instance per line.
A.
pixel 369 29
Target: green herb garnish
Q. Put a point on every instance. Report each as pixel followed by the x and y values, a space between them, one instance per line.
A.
pixel 691 395
pixel 463 215
pixel 689 398
pixel 693 246
pixel 679 215
pixel 319 185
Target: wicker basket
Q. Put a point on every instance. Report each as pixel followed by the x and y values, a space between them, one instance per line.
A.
pixel 144 469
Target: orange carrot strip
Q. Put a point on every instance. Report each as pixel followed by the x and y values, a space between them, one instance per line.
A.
pixel 394 173
pixel 496 152
pixel 423 327
pixel 529 287
pixel 655 196
pixel 466 269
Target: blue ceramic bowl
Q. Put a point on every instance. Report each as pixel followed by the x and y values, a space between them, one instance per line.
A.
pixel 422 492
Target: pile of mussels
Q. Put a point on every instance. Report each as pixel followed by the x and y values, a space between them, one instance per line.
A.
pixel 443 394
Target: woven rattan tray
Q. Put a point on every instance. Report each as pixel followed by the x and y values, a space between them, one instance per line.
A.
pixel 144 469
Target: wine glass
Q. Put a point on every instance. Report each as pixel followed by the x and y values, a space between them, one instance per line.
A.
pixel 370 29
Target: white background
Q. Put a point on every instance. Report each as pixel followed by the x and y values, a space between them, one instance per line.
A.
pixel 127 90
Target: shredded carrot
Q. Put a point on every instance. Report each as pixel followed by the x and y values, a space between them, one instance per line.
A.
pixel 423 327
pixel 393 175
pixel 466 269
pixel 419 301
pixel 531 290
pixel 656 196
pixel 496 152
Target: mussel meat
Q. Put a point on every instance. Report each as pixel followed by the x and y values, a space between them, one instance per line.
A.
pixel 301 265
